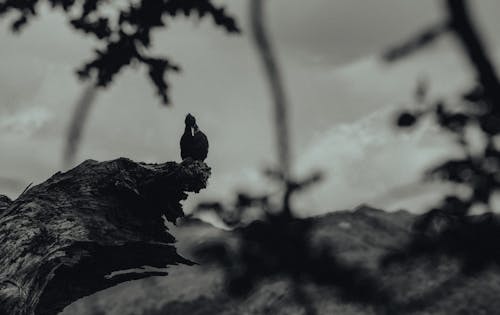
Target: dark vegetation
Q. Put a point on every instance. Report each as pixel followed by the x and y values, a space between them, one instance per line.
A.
pixel 460 234
pixel 125 37
pixel 359 238
pixel 281 244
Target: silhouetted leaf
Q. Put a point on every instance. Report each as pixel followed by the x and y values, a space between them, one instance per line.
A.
pixel 406 119
pixel 123 39
pixel 419 41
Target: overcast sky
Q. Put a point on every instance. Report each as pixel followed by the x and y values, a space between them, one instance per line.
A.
pixel 342 97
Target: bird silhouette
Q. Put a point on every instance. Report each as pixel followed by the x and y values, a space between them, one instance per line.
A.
pixel 194 143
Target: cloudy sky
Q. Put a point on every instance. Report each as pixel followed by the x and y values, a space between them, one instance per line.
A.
pixel 343 99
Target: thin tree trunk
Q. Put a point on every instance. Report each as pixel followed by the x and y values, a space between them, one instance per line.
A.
pixel 271 68
pixel 77 124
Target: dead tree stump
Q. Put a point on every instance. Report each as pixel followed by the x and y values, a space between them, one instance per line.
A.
pixel 90 228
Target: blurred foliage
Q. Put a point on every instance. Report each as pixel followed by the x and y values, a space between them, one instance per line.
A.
pixel 474 123
pixel 279 244
pixel 125 36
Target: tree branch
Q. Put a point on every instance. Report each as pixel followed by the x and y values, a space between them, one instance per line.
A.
pixel 273 74
pixel 473 45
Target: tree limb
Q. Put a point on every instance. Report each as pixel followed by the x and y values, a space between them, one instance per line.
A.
pixel 475 49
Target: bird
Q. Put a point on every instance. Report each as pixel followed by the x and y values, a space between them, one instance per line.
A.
pixel 187 136
pixel 194 143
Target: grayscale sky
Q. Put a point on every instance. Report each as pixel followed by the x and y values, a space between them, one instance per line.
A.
pixel 342 96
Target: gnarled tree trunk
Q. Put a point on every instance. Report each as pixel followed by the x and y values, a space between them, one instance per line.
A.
pixel 90 228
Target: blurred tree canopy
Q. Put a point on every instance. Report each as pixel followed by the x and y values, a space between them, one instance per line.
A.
pixel 280 243
pixel 124 36
pixel 473 122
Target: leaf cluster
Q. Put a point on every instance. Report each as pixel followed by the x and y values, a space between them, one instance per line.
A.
pixel 125 36
pixel 473 120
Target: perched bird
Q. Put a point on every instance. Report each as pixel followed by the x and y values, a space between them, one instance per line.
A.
pixel 187 136
pixel 194 143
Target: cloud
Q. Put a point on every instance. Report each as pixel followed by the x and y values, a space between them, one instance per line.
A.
pixel 32 124
pixel 25 122
pixel 367 159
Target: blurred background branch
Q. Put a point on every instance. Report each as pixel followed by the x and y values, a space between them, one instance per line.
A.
pixel 77 123
pixel 274 78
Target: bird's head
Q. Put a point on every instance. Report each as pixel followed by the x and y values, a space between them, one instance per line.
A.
pixel 190 120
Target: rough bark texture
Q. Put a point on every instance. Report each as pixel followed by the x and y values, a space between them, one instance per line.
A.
pixel 90 228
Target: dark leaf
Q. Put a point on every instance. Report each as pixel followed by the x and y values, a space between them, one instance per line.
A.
pixel 406 119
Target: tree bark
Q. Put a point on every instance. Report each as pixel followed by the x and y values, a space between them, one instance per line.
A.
pixel 93 227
